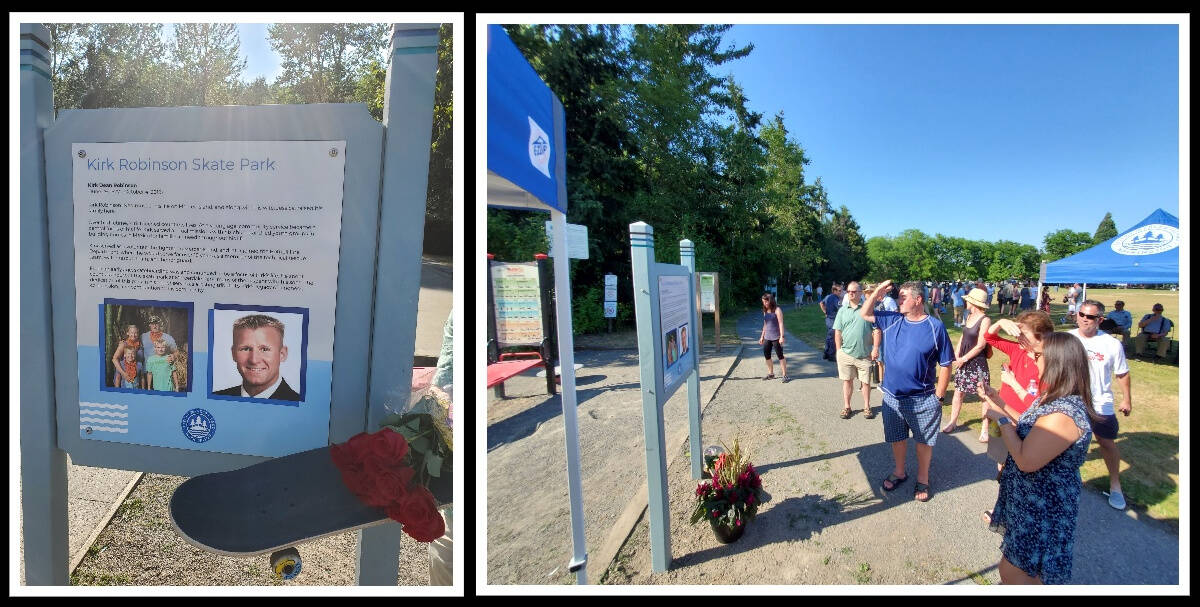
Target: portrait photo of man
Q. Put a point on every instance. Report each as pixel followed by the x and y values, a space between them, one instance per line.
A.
pixel 260 355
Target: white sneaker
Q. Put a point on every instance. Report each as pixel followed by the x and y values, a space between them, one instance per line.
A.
pixel 1116 499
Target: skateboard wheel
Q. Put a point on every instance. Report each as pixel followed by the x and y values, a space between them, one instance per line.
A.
pixel 286 563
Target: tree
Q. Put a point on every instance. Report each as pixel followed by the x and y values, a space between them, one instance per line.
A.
pixel 1106 230
pixel 439 206
pixel 99 65
pixel 845 248
pixel 1066 242
pixel 323 62
pixel 207 64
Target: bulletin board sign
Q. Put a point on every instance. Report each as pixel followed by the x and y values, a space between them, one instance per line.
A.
pixel 240 230
pixel 708 291
pixel 202 260
pixel 675 300
pixel 517 300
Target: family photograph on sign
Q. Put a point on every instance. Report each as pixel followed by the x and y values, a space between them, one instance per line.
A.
pixel 258 353
pixel 146 345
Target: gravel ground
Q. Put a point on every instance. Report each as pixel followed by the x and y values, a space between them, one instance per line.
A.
pixel 140 548
pixel 528 510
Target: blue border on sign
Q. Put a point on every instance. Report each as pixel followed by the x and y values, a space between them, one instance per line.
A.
pixel 103 345
pixel 303 352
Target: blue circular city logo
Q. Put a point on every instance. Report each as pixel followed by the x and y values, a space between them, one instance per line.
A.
pixel 1147 240
pixel 198 425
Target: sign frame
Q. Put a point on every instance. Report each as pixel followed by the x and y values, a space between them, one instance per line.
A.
pixel 358 234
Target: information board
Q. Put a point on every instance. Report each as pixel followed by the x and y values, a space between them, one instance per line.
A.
pixel 518 304
pixel 708 284
pixel 205 285
pixel 675 330
pixel 577 240
pixel 610 296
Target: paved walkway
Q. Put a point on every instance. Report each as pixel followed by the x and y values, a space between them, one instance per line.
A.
pixel 828 522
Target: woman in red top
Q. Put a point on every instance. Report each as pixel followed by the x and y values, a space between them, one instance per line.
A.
pixel 1020 381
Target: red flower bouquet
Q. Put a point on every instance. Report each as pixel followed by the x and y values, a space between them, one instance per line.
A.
pixel 730 499
pixel 380 469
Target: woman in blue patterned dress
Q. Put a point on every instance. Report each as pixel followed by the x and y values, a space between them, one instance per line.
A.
pixel 1040 484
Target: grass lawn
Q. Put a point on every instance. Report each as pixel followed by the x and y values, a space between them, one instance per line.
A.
pixel 1149 437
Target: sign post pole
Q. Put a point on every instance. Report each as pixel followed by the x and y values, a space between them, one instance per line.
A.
pixel 408 114
pixel 43 464
pixel 687 258
pixel 641 241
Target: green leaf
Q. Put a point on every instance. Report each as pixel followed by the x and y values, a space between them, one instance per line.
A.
pixel 433 463
pixel 420 444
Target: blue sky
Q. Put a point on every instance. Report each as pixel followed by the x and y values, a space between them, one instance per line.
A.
pixel 260 59
pixel 986 132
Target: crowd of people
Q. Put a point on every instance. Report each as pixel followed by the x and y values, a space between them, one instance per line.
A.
pixel 1055 393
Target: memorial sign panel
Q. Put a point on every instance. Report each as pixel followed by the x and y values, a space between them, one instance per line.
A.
pixel 675 327
pixel 205 291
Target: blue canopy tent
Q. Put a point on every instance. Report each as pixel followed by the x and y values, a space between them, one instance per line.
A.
pixel 527 169
pixel 1147 253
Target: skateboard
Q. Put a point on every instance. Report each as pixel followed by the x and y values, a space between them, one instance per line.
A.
pixel 272 506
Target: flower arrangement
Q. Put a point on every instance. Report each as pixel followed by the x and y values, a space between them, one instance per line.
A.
pixel 393 467
pixel 731 498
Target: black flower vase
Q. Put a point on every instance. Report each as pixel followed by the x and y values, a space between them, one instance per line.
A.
pixel 726 534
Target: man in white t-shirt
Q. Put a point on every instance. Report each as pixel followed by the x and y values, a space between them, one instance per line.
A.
pixel 1106 358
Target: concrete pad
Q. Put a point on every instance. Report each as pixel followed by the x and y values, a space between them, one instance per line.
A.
pixel 96 484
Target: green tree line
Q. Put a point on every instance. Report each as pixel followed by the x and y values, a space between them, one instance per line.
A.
pixel 653 135
pixel 112 65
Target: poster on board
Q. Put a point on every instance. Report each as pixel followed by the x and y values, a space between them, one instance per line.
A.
pixel 708 284
pixel 517 299
pixel 675 331
pixel 205 284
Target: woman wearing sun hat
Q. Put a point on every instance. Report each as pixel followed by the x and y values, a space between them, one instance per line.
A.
pixel 970 358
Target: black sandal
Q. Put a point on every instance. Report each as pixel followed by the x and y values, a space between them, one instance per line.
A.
pixel 922 488
pixel 896 481
pixel 771 376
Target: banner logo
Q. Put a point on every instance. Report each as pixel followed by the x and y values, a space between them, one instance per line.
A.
pixel 539 148
pixel 1147 240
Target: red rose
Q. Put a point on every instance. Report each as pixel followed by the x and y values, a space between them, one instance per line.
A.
pixel 388 445
pixel 388 482
pixel 356 481
pixel 417 511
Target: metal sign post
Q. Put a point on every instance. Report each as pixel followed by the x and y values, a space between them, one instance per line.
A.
pixel 667 353
pixel 687 258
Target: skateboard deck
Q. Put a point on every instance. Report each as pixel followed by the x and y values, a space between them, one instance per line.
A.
pixel 274 504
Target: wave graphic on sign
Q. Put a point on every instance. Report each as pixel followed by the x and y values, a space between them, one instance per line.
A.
pixel 101 417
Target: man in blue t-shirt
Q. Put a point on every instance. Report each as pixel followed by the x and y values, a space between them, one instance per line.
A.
pixel 829 307
pixel 917 358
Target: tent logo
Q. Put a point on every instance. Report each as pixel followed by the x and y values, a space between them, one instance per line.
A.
pixel 1147 240
pixel 539 148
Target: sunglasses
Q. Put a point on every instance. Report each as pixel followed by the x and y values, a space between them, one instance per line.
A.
pixel 1090 316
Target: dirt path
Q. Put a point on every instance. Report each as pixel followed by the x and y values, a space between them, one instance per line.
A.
pixel 828 523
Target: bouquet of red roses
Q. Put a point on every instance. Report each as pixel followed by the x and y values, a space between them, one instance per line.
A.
pixel 380 469
pixel 732 497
